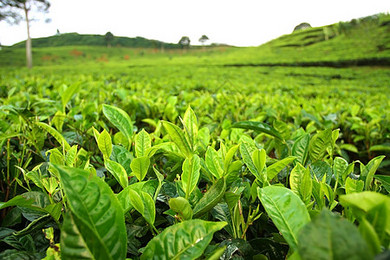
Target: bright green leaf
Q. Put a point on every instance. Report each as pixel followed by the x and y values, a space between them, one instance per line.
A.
pixel 258 126
pixel 186 240
pixel 105 144
pixel 142 143
pixel 140 167
pixel 275 168
pixel 191 174
pixel 301 182
pixel 60 139
pixel 319 143
pixel 120 119
pixel 286 210
pixel 117 171
pixel 177 136
pixel 214 162
pixel 190 123
pixel 300 148
pixel 367 172
pixel 181 206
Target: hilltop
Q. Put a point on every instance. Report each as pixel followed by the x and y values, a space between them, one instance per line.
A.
pixel 359 42
pixel 75 39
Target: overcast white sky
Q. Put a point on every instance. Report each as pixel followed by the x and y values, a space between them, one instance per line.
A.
pixel 236 22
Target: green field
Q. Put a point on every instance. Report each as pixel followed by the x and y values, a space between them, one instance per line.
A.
pixel 202 153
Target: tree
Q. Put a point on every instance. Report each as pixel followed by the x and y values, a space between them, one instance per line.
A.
pixel 10 11
pixel 184 42
pixel 108 38
pixel 302 26
pixel 203 39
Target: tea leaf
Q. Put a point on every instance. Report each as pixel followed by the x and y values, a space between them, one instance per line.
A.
pixel 301 182
pixel 191 174
pixel 286 210
pixel 258 126
pixel 214 162
pixel 105 144
pixel 210 198
pixel 331 237
pixel 117 171
pixel 60 139
pixel 185 240
pixel 120 119
pixel 181 206
pixel 190 123
pixel 177 136
pixel 300 148
pixel 95 212
pixel 140 167
pixel 275 168
pixel 142 143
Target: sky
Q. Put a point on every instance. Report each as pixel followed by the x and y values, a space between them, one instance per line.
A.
pixel 235 22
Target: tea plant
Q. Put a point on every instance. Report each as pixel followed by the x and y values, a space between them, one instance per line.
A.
pixel 194 162
pixel 175 193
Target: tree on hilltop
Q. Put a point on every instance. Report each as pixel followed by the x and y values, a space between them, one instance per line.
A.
pixel 10 10
pixel 203 39
pixel 108 39
pixel 184 42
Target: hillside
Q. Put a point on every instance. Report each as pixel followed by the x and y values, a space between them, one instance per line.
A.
pixel 360 42
pixel 75 39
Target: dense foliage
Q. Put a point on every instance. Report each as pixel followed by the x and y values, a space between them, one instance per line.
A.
pixel 163 162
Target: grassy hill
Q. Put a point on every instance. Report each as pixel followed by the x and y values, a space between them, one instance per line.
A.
pixel 360 42
pixel 364 41
pixel 75 39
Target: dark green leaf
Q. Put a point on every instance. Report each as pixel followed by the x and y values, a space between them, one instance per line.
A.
pixel 385 180
pixel 210 198
pixel 96 226
pixel 331 237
